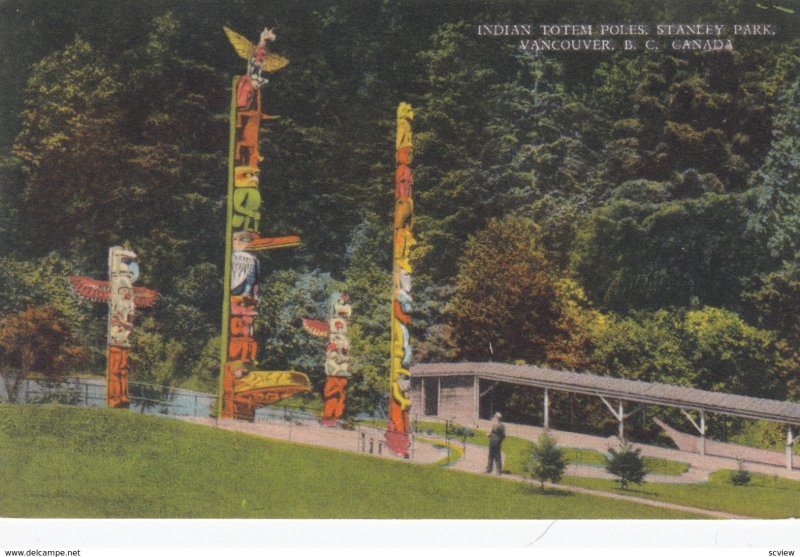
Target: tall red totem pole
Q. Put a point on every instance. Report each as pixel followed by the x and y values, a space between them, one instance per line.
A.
pixel 242 388
pixel 123 299
pixel 397 429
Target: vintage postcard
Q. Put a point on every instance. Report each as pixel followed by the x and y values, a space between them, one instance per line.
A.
pixel 459 259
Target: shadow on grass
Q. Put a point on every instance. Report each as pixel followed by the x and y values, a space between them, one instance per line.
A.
pixel 633 491
pixel 535 489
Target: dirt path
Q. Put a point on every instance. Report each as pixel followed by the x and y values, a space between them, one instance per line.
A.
pixel 473 461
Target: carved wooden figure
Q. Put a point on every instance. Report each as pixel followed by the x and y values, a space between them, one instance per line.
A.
pixel 397 431
pixel 243 387
pixel 123 298
pixel 337 356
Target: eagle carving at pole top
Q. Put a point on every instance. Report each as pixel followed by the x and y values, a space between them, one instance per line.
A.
pixel 258 57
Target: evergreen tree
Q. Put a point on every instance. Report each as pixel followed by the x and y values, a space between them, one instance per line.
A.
pixel 627 464
pixel 547 461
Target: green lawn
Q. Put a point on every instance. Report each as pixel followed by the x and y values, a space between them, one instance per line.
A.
pixel 58 461
pixel 765 497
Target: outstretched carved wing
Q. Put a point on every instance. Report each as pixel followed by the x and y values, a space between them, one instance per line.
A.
pixel 144 297
pixel 273 62
pixel 244 48
pixel 100 291
pixel 92 289
pixel 241 45
pixel 316 328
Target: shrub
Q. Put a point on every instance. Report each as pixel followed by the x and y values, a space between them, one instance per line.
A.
pixel 547 461
pixel 627 464
pixel 741 476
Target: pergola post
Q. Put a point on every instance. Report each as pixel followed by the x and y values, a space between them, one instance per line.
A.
pixel 618 414
pixel 546 410
pixel 477 408
pixel 789 446
pixel 702 432
pixel 701 429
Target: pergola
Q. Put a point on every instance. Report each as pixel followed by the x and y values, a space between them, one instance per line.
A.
pixel 610 389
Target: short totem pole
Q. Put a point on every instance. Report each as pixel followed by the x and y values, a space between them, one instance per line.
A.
pixel 337 356
pixel 399 403
pixel 123 298
pixel 242 388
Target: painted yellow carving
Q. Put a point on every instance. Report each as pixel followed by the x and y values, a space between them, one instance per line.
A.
pixel 245 49
pixel 272 379
pixel 404 116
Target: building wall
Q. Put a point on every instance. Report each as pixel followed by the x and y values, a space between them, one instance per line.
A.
pixel 417 402
pixel 457 399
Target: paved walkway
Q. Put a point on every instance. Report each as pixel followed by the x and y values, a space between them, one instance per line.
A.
pixel 700 465
pixel 691 443
pixel 365 440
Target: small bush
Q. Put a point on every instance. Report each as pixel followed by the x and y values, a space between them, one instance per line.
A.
pixel 741 476
pixel 547 461
pixel 627 464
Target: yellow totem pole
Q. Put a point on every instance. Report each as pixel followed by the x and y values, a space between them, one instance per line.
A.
pixel 243 389
pixel 399 403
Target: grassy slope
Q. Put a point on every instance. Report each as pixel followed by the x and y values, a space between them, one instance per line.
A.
pixel 59 461
pixel 765 497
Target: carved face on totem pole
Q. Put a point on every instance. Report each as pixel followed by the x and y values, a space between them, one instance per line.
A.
pixel 123 272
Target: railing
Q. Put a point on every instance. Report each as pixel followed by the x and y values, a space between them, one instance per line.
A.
pixel 150 398
pixel 170 401
pixel 452 433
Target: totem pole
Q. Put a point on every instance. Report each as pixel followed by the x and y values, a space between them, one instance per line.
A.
pixel 123 298
pixel 337 356
pixel 242 388
pixel 399 403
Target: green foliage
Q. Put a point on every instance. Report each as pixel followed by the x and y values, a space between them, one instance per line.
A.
pixel 206 366
pixel 741 476
pixel 627 464
pixel 708 348
pixel 36 339
pixel 153 361
pixel 507 304
pixel 774 222
pixel 69 147
pixel 547 462
pixel 645 255
pixel 656 183
pixel 369 283
pixel 763 435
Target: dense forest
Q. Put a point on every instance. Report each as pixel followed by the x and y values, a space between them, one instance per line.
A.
pixel 635 214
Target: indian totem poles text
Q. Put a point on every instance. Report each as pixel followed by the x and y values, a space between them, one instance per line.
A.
pixel 123 298
pixel 242 388
pixel 337 355
pixel 399 402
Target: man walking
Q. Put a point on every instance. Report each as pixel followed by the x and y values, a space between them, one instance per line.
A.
pixel 496 437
